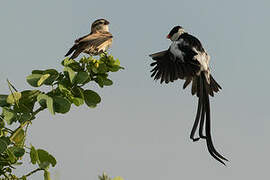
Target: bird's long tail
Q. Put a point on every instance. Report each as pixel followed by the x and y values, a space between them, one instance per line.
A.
pixel 203 89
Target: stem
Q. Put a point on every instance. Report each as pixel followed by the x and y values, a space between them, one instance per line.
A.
pixel 10 85
pixel 8 130
pixel 29 121
pixel 34 171
pixel 38 110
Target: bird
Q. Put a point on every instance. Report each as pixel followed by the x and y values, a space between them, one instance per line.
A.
pixel 186 59
pixel 96 42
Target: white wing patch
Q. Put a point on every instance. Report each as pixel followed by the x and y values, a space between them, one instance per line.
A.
pixel 203 59
pixel 174 48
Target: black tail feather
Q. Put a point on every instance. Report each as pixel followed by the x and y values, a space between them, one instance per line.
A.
pixel 196 122
pixel 200 93
pixel 203 117
pixel 208 125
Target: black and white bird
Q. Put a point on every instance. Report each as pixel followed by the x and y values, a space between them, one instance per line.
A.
pixel 96 42
pixel 186 59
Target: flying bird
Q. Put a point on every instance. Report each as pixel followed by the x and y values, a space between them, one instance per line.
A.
pixel 187 59
pixel 96 42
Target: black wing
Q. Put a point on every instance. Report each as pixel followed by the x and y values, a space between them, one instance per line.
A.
pixel 169 66
pixel 192 42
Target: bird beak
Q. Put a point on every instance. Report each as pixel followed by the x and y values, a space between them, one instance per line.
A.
pixel 168 36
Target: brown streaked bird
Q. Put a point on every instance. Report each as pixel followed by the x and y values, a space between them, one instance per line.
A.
pixel 96 42
pixel 186 59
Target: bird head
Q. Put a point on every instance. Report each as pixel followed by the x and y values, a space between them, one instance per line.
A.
pixel 175 33
pixel 100 25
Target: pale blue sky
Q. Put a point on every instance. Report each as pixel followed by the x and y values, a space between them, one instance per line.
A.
pixel 141 128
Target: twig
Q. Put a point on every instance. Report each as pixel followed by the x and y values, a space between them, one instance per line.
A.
pixel 34 171
pixel 38 110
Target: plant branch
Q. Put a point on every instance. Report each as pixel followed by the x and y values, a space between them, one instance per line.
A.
pixel 38 110
pixel 32 172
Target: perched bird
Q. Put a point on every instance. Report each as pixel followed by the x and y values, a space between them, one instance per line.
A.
pixel 186 59
pixel 94 43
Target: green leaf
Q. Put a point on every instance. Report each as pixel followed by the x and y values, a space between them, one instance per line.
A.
pixel 78 92
pixel 91 98
pixel 51 72
pixel 25 117
pixel 42 79
pixel 46 101
pixel 102 68
pixel 43 155
pixel 14 97
pixel 2 125
pixel 5 139
pixel 100 81
pixel 49 102
pixel 107 82
pixel 61 104
pixel 9 115
pixel 33 155
pixel 47 175
pixel 86 60
pixel 115 68
pixel 52 160
pixel 3 145
pixel 53 76
pixel 8 169
pixel 77 101
pixel 33 79
pixel 78 97
pixel 27 101
pixel 30 94
pixel 65 91
pixel 37 72
pixel 12 158
pixel 3 100
pixel 71 73
pixel 117 178
pixel 67 62
pixel 117 62
pixel 94 69
pixel 45 159
pixel 42 98
pixel 81 77
pixel 74 65
pixel 17 151
pixel 18 136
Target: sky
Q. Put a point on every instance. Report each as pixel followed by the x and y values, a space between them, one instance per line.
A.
pixel 141 128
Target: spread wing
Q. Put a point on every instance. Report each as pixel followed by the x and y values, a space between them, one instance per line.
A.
pixel 168 67
pixel 182 60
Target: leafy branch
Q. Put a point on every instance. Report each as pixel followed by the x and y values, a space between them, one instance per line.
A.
pixel 66 88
